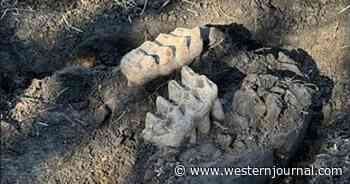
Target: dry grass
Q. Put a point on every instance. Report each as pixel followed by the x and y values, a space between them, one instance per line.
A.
pixel 126 4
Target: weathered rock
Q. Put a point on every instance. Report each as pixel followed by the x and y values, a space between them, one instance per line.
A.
pixel 276 108
pixel 251 63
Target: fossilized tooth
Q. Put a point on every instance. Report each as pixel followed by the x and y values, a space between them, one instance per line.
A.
pixel 200 85
pixel 180 45
pixel 164 106
pixel 167 53
pixel 218 111
pixel 169 132
pixel 193 107
pixel 139 67
pixel 163 54
pixel 186 113
pixel 194 38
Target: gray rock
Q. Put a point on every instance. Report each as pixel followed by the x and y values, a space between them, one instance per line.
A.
pixel 276 108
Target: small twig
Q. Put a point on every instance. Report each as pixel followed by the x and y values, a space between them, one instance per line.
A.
pixel 144 7
pixel 216 11
pixel 223 12
pixel 165 4
pixel 61 92
pixel 5 3
pixel 220 125
pixel 189 2
pixel 4 14
pixel 16 11
pixel 43 124
pixel 120 117
pixel 129 19
pixel 216 44
pixel 70 26
pixel 344 9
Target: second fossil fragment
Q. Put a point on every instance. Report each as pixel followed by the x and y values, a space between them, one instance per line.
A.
pixel 194 103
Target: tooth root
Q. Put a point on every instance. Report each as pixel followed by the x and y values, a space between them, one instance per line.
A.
pixel 181 47
pixel 204 125
pixel 218 111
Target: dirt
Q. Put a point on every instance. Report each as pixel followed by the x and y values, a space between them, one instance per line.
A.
pixel 89 134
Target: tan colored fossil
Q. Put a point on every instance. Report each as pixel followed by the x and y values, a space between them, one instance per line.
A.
pixel 161 57
pixel 193 102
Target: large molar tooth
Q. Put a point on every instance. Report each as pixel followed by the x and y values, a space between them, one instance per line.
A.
pixel 161 57
pixel 181 47
pixel 196 41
